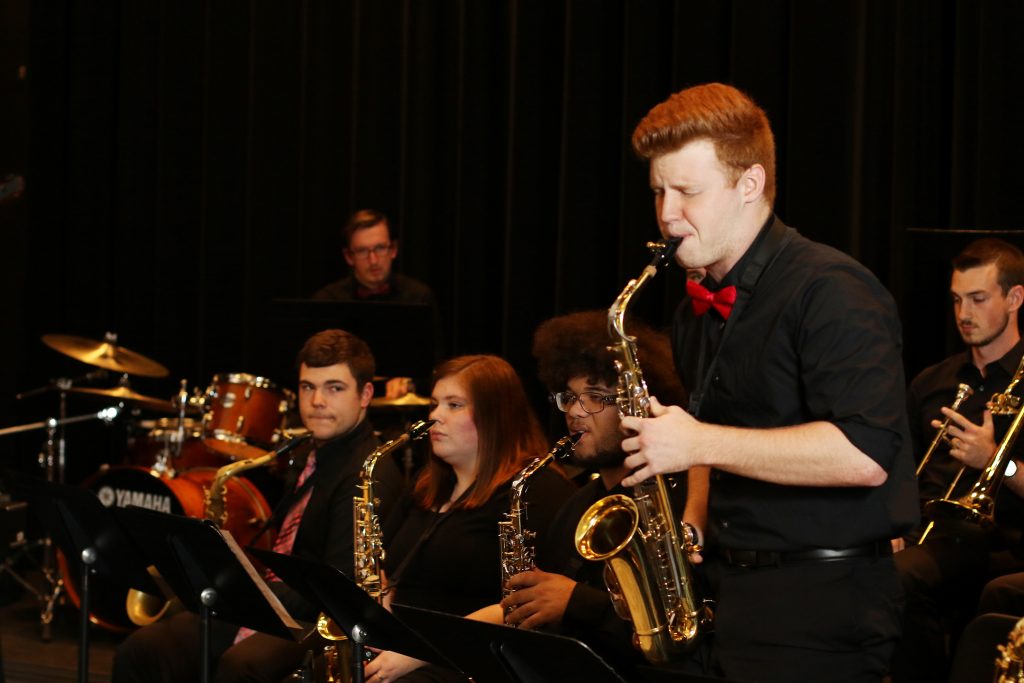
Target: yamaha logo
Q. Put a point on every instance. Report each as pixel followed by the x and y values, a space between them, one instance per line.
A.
pixel 124 497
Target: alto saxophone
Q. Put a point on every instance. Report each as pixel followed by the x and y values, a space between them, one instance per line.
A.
pixel 517 551
pixel 644 548
pixel 367 536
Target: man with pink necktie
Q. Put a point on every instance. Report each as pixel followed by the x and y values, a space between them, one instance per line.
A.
pixel 315 518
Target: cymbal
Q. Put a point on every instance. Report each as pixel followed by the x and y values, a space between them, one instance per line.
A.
pixel 126 394
pixel 407 401
pixel 105 354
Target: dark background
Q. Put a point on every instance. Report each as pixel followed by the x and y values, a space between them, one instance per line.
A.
pixel 187 161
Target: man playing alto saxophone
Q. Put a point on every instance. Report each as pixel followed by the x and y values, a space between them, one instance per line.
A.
pixel 567 593
pixel 791 353
pixel 335 373
pixel 943 576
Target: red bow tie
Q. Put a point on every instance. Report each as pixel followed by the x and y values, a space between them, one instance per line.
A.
pixel 703 299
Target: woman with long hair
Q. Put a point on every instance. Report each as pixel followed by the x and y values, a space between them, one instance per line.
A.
pixel 445 557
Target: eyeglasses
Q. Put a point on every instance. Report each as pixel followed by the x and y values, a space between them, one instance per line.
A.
pixel 592 402
pixel 364 252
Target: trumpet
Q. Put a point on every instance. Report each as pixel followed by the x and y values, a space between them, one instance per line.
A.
pixel 978 505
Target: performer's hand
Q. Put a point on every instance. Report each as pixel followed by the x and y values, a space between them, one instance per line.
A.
pixel 388 666
pixel 540 598
pixel 658 444
pixel 970 443
pixel 898 544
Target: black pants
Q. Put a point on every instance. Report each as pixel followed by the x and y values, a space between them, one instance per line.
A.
pixel 821 621
pixel 942 580
pixel 168 652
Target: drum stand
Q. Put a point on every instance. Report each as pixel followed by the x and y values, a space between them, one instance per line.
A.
pixel 52 459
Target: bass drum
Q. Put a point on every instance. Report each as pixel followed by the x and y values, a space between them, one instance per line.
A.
pixel 180 495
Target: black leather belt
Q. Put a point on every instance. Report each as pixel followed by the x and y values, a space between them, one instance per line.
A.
pixel 769 558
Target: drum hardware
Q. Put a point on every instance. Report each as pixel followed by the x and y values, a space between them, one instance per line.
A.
pixel 174 437
pixel 51 459
pixel 105 354
pixel 63 383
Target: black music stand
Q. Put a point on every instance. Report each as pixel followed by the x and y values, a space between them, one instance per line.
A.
pixel 87 531
pixel 209 573
pixel 491 652
pixel 366 622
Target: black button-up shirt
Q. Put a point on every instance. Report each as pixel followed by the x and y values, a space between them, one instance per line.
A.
pixel 813 337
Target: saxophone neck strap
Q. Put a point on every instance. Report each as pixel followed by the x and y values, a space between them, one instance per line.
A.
pixel 439 517
pixel 766 250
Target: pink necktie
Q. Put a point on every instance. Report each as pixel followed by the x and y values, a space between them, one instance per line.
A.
pixel 289 527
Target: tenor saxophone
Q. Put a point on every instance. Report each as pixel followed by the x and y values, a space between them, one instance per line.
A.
pixel 367 536
pixel 643 545
pixel 516 541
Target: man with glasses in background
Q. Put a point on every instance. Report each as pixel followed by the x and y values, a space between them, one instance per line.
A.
pixel 567 593
pixel 370 251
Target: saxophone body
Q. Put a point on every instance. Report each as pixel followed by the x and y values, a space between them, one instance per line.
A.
pixel 367 535
pixel 368 539
pixel 515 540
pixel 643 546
pixel 1009 666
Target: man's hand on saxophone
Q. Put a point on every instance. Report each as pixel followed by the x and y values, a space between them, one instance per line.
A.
pixel 655 443
pixel 538 598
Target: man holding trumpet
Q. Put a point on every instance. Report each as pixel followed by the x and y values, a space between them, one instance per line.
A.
pixel 943 575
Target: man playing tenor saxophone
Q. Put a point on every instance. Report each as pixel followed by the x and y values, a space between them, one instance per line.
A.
pixel 335 374
pixel 791 353
pixel 566 593
pixel 944 575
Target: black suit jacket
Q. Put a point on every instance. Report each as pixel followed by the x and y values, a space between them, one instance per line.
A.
pixel 325 532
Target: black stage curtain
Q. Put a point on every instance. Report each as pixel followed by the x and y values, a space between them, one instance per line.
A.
pixel 186 161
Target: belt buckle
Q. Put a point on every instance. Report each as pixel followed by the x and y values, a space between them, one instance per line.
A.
pixel 745 559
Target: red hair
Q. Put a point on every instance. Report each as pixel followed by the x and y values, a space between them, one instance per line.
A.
pixel 728 118
pixel 509 435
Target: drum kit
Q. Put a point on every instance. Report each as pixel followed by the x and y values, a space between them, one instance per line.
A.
pixel 172 460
